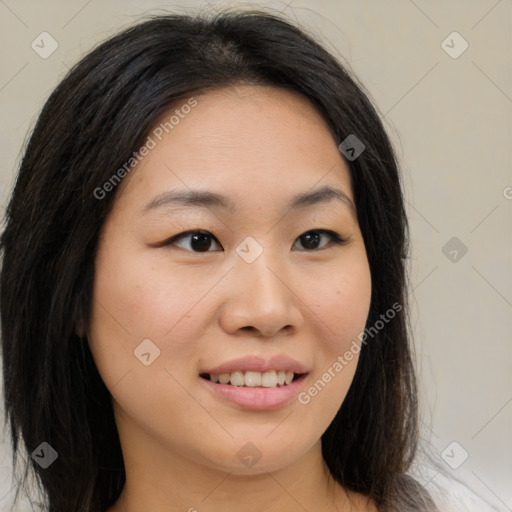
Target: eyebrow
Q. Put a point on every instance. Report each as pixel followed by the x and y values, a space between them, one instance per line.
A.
pixel 205 198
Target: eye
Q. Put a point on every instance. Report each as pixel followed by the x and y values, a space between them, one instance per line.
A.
pixel 201 241
pixel 310 239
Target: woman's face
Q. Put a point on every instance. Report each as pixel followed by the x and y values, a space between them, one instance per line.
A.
pixel 262 290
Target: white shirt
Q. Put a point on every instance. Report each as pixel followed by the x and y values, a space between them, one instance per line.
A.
pixel 452 495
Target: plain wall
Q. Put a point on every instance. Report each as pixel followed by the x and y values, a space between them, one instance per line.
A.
pixel 451 122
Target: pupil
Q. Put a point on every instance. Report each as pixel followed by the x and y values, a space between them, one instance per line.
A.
pixel 204 242
pixel 310 235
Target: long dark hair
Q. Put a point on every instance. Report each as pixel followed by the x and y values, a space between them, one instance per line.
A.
pixel 92 123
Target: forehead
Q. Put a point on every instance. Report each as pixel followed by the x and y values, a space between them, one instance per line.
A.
pixel 255 144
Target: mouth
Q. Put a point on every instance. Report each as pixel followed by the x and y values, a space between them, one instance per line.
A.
pixel 253 379
pixel 256 383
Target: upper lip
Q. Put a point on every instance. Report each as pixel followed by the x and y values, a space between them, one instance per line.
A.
pixel 259 364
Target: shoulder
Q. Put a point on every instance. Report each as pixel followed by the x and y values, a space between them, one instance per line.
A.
pixel 451 495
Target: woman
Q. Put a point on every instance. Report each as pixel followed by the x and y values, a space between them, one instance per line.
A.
pixel 203 297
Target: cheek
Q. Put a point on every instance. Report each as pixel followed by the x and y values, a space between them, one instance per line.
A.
pixel 144 296
pixel 341 303
pixel 136 299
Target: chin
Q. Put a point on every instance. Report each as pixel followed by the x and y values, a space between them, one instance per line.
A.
pixel 254 455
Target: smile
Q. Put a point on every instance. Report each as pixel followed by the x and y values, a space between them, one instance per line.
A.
pixel 256 397
pixel 268 379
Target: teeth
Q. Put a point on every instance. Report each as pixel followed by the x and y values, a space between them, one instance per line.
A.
pixel 269 379
pixel 237 379
pixel 253 379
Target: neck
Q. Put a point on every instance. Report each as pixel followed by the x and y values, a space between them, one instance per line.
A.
pixel 161 480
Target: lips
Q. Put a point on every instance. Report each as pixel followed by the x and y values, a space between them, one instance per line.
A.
pixel 258 364
pixel 255 383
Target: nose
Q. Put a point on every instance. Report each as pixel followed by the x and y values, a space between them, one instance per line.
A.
pixel 260 299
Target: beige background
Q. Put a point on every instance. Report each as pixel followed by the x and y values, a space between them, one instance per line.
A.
pixel 451 122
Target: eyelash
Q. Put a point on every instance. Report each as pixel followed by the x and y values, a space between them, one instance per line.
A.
pixel 335 238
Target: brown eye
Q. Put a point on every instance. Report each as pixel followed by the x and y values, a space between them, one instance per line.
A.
pixel 311 239
pixel 199 241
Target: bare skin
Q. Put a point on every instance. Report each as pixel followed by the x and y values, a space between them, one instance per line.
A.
pixel 303 297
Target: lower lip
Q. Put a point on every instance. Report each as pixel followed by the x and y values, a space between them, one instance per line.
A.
pixel 257 398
